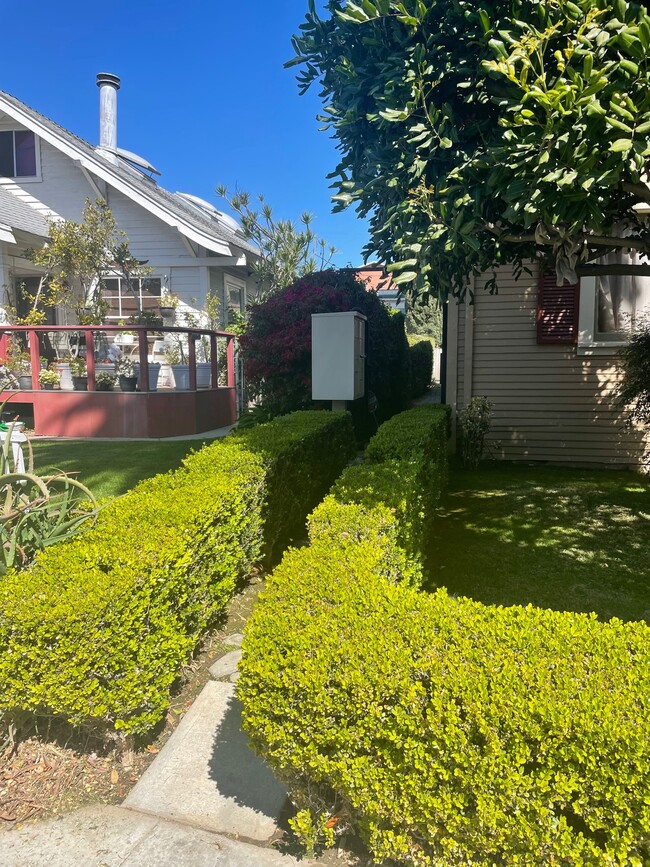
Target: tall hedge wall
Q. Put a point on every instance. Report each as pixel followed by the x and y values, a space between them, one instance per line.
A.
pixel 97 629
pixel 442 730
pixel 420 366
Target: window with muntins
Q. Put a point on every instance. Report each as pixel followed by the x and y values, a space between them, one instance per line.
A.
pixel 17 154
pixel 622 300
pixel 144 294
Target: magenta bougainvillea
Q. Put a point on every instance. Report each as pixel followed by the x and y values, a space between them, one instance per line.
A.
pixel 277 343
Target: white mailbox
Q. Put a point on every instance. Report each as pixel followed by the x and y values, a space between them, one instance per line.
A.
pixel 338 356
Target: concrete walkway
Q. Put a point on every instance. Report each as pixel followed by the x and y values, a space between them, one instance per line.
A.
pixel 206 801
pixel 217 433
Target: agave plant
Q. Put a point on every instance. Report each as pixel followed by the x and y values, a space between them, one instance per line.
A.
pixel 37 511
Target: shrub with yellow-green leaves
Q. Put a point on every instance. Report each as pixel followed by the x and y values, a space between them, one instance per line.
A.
pixel 303 453
pixel 445 731
pixel 96 631
pixel 442 730
pixel 396 488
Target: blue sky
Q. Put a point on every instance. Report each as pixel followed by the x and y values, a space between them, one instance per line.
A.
pixel 204 96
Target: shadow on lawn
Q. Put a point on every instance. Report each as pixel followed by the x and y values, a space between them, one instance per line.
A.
pixel 564 539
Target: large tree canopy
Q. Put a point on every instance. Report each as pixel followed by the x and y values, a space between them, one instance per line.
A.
pixel 476 133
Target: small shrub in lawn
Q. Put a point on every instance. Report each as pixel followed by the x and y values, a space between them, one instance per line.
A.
pixel 474 421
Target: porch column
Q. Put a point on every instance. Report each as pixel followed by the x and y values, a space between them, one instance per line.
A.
pixel 4 274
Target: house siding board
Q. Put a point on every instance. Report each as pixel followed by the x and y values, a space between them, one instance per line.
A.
pixel 548 404
pixel 62 190
pixel 149 238
pixel 460 361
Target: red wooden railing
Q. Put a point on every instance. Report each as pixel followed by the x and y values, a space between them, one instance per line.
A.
pixel 143 332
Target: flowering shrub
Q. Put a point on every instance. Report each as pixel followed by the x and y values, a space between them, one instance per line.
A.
pixel 277 344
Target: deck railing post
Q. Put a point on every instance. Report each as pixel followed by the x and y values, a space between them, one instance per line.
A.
pixel 4 340
pixel 34 358
pixel 143 348
pixel 214 370
pixel 191 350
pixel 90 358
pixel 230 361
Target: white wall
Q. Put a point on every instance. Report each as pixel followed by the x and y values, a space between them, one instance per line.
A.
pixel 63 190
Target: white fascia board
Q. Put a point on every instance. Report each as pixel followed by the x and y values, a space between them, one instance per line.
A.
pixel 6 234
pixel 115 181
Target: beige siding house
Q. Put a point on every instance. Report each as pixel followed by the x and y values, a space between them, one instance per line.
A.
pixel 552 401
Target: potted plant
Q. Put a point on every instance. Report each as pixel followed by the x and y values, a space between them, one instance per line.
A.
pixel 146 317
pixel 154 372
pixel 48 378
pixel 125 369
pixel 105 381
pixel 65 374
pixel 172 355
pixel 79 373
pixel 19 363
pixel 168 305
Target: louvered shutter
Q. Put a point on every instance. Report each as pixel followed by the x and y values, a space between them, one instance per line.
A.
pixel 557 310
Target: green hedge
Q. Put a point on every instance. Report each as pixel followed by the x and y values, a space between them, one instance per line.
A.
pixel 420 366
pixel 441 730
pixel 445 731
pixel 303 453
pixel 97 630
pixel 395 489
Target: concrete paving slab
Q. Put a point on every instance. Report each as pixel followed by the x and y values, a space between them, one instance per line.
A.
pixel 115 837
pixel 207 775
pixel 235 639
pixel 226 665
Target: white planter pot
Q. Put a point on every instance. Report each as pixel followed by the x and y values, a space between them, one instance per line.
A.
pixel 154 371
pixel 65 375
pixel 203 372
pixel 181 373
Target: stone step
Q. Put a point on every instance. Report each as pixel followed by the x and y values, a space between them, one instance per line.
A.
pixel 207 775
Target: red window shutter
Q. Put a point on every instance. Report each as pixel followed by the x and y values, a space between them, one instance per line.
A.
pixel 557 310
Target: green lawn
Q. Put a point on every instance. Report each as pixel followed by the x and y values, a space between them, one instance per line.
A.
pixel 110 468
pixel 576 540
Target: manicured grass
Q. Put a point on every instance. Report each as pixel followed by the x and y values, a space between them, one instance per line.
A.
pixel 571 540
pixel 110 468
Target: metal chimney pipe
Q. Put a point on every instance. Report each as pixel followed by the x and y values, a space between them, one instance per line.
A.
pixel 108 85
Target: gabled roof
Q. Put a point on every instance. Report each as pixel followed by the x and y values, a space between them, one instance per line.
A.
pixel 15 214
pixel 189 221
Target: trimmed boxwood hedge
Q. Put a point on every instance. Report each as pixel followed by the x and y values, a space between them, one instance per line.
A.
pixel 303 453
pixel 396 488
pixel 97 630
pixel 442 730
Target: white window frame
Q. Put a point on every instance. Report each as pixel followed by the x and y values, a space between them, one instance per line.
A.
pixel 24 179
pixel 588 344
pixel 589 340
pixel 120 279
pixel 235 283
